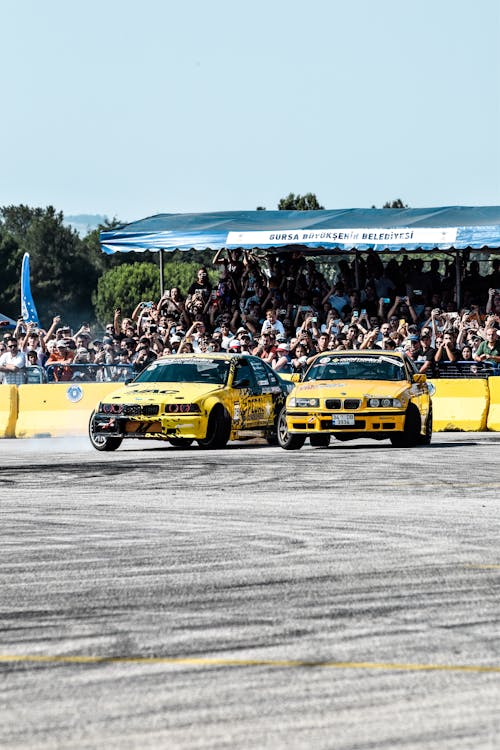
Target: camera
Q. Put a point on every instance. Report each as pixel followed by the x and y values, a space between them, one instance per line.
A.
pixel 147 304
pixel 314 320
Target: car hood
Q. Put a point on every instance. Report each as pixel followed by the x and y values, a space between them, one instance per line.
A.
pixel 351 388
pixel 152 393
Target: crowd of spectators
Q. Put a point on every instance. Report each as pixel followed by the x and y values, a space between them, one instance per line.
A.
pixel 284 310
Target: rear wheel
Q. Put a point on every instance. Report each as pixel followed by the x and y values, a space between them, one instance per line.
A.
pixel 102 442
pixel 411 432
pixel 218 430
pixel 285 439
pixel 320 441
pixel 179 442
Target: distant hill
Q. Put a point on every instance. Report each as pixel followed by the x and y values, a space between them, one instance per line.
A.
pixel 84 223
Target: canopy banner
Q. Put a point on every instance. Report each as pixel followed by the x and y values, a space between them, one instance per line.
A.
pixel 324 231
pixel 351 238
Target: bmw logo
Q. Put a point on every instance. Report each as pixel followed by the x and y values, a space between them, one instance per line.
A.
pixel 74 394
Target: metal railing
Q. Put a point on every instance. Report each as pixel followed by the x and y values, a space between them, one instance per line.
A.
pixel 80 373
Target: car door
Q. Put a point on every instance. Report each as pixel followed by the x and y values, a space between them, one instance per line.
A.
pixel 268 389
pixel 247 407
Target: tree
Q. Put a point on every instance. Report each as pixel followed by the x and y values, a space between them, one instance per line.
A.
pixel 62 276
pixel 398 203
pixel 123 287
pixel 292 202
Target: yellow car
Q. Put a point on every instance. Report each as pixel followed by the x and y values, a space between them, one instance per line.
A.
pixel 210 398
pixel 359 393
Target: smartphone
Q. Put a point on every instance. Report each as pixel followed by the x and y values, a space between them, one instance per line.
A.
pixel 148 304
pixel 355 314
pixel 167 292
pixel 402 322
pixel 417 291
pixel 214 294
pixel 363 312
pixel 386 300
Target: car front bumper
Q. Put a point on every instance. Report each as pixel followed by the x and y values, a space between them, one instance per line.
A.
pixel 188 426
pixel 373 421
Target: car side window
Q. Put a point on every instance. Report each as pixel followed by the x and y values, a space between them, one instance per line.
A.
pixel 261 373
pixel 243 377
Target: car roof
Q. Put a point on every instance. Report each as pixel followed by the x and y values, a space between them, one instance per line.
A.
pixel 224 356
pixel 363 353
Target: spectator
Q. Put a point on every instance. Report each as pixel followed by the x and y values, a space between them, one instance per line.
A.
pixel 62 356
pixel 12 364
pixel 447 352
pixel 489 350
pixel 424 356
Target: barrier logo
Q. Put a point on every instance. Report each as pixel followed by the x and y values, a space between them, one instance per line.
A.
pixel 74 394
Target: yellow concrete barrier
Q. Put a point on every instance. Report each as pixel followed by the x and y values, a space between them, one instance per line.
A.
pixel 8 410
pixel 58 409
pixel 460 404
pixel 493 422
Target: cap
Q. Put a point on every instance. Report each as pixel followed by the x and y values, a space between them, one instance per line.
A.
pixel 283 347
pixel 235 344
pixel 61 344
pixel 82 350
pixel 242 329
pixel 175 339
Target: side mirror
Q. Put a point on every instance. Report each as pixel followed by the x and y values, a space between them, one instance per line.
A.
pixel 420 377
pixel 128 381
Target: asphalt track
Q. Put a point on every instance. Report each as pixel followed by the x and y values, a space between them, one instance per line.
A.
pixel 343 598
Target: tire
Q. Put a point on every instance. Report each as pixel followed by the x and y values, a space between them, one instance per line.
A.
pixel 426 439
pixel 411 432
pixel 286 440
pixel 102 442
pixel 179 442
pixel 320 441
pixel 218 429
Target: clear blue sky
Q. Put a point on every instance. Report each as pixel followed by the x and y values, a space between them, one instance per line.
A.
pixel 134 108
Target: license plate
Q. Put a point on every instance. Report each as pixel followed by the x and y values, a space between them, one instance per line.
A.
pixel 343 420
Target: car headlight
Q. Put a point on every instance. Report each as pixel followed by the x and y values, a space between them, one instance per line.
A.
pixel 182 409
pixel 110 408
pixel 302 403
pixel 386 403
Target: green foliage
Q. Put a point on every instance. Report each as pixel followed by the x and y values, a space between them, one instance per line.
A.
pixel 123 287
pixel 62 276
pixel 292 202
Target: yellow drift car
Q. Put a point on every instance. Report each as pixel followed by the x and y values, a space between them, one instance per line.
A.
pixel 210 398
pixel 352 394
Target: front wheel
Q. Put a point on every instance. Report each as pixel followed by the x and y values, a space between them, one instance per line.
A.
pixel 218 429
pixel 102 442
pixel 411 431
pixel 286 440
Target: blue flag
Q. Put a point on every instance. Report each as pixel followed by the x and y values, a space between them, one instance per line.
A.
pixel 28 309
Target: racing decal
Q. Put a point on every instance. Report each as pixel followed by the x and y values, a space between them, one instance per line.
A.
pixel 236 411
pixel 74 394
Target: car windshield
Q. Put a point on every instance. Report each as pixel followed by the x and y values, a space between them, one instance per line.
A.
pixel 186 370
pixel 332 367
